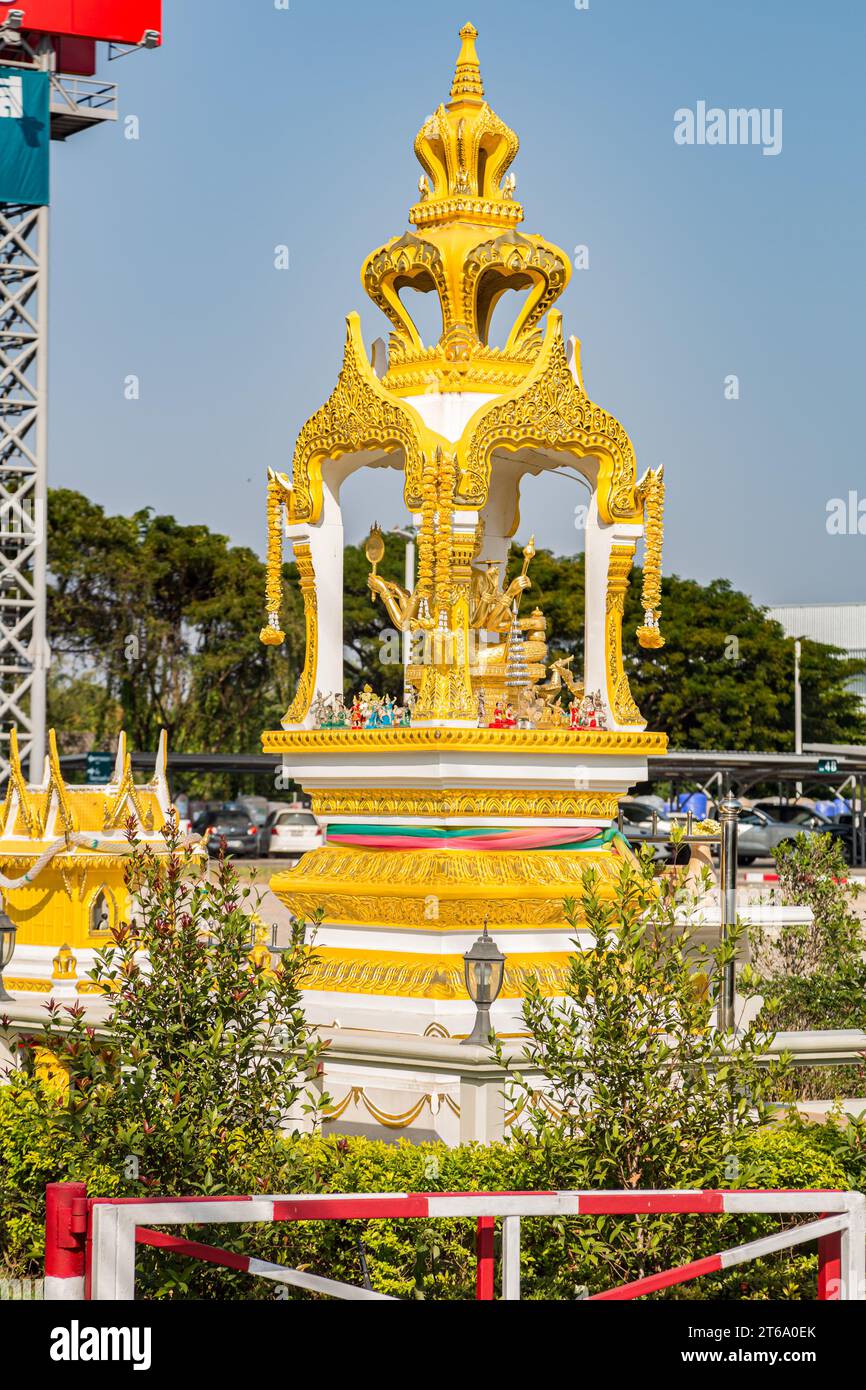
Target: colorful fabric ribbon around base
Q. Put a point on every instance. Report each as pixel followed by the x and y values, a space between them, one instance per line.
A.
pixel 490 838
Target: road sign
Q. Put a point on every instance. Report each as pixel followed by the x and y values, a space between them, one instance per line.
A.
pixel 25 132
pixel 100 767
pixel 828 765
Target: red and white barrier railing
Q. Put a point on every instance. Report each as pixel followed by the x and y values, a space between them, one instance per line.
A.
pixel 91 1243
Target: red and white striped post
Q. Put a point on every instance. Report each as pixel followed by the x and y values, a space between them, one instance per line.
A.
pixel 830 1267
pixel 65 1240
pixel 485 1270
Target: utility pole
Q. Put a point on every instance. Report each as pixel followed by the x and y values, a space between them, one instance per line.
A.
pixel 727 988
pixel 798 700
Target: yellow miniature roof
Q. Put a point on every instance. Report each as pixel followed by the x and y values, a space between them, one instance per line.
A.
pixel 45 811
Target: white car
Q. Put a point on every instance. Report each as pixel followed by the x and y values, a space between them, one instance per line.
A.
pixel 293 831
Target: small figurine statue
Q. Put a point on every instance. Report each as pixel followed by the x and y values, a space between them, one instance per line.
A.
pixel 496 721
pixel 341 714
pixel 588 713
pixel 598 711
pixel 482 711
pixel 509 719
pixel 386 713
pixel 356 714
pixel 318 711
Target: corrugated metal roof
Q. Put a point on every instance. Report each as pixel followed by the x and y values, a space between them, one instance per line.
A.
pixel 839 624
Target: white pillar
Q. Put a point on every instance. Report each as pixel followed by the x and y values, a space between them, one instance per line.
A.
pixel 325 540
pixel 482 1109
pixel 600 541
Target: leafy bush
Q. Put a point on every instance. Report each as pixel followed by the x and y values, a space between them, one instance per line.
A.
pixel 814 975
pixel 207 1060
pixel 432 1259
pixel 632 1064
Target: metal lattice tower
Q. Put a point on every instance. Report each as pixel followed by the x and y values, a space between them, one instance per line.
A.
pixel 76 103
pixel 23 479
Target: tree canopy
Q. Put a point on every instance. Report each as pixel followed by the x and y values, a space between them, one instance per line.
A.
pixel 156 625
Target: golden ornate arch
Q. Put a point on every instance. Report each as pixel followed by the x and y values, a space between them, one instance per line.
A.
pixel 359 414
pixel 550 411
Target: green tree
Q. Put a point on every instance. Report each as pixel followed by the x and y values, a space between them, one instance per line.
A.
pixel 164 618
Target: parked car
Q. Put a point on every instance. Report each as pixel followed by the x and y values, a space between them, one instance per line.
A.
pixel 760 834
pixel 637 826
pixel 293 831
pixel 233 824
pixel 259 810
pixel 808 819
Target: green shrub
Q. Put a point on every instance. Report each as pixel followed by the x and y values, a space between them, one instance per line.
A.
pixel 814 975
pixel 433 1259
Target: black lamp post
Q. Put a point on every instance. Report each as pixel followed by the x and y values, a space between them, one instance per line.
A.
pixel 484 972
pixel 8 931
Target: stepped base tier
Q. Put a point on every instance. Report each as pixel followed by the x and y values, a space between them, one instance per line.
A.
pixel 431 833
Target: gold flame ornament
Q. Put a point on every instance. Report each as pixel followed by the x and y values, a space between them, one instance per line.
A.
pixel 272 634
pixel 652 492
pixel 375 547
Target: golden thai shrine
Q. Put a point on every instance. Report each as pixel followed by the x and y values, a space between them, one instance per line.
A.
pixel 63 856
pixel 481 797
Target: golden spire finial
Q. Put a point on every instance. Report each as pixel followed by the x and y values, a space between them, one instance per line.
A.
pixel 467 76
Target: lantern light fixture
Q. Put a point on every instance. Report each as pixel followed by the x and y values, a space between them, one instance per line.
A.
pixel 484 973
pixel 8 932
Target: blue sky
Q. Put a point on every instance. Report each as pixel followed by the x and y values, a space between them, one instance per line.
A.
pixel 261 127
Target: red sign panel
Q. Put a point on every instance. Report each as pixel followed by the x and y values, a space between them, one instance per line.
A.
pixel 118 21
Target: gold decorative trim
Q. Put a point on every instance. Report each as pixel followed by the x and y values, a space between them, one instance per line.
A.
pixel 57 785
pixel 405 976
pixel 127 793
pixel 272 634
pixel 540 741
pixel 359 415
pixel 387 801
pixel 550 411
pixel 517 911
pixel 66 861
pixel 17 782
pixel 405 261
pixel 306 690
pixel 652 493
pixel 26 985
pixel 356 1095
pixel 513 260
pixel 622 704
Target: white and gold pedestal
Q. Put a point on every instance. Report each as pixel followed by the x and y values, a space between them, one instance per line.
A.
pixel 397 919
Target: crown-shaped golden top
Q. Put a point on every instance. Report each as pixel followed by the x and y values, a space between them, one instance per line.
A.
pixel 466 250
pixel 465 150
